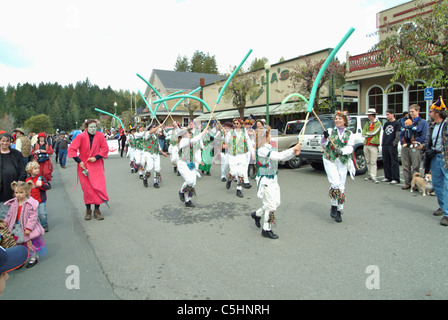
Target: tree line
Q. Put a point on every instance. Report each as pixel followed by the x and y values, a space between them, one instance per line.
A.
pixel 66 106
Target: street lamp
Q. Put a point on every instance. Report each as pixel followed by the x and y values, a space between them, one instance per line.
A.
pixel 267 66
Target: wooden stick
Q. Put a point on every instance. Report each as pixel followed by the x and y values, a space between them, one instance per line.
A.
pixel 323 127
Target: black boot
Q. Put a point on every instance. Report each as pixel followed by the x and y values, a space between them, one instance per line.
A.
pixel 182 196
pixel 333 211
pixel 175 169
pixel 189 204
pixel 338 217
pixel 228 183
pixel 239 193
pixel 256 218
pixel 145 182
pixel 269 234
pixel 156 185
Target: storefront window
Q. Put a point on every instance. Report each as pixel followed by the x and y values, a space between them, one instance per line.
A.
pixel 417 96
pixel 375 99
pixel 395 99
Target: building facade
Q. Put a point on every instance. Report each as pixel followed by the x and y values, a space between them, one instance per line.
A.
pixel 375 89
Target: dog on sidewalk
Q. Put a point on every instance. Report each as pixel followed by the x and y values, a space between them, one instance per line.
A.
pixel 424 184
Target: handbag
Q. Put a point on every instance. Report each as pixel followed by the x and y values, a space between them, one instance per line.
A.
pixel 6 238
pixel 42 157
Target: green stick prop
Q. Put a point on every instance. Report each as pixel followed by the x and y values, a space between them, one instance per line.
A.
pixel 110 114
pixel 324 67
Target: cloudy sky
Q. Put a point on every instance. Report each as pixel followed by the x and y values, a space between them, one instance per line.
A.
pixel 66 41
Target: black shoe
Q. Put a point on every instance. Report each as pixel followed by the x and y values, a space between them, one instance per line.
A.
pixel 333 211
pixel 156 185
pixel 178 173
pixel 223 179
pixel 256 218
pixel 239 193
pixel 247 185
pixel 182 196
pixel 175 169
pixel 269 234
pixel 189 204
pixel 338 217
pixel 228 183
pixel 32 263
pixel 145 182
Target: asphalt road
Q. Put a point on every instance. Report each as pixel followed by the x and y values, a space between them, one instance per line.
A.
pixel 150 246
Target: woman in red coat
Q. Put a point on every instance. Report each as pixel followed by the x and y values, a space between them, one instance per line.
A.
pixel 88 150
pixel 41 153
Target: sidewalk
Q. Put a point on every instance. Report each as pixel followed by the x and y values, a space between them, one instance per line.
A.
pixel 69 251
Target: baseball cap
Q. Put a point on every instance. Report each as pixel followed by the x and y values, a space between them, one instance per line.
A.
pixel 12 258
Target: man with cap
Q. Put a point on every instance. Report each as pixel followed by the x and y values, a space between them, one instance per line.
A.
pixel 411 157
pixel 436 148
pixel 10 259
pixel 371 132
pixel 23 144
pixel 151 157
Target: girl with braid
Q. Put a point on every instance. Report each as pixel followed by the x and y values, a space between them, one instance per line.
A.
pixel 268 190
pixel 338 148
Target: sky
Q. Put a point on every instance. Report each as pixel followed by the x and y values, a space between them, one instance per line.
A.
pixel 109 42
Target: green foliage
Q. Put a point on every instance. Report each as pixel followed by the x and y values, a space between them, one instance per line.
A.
pixel 242 86
pixel 200 62
pixel 418 49
pixel 39 123
pixel 65 106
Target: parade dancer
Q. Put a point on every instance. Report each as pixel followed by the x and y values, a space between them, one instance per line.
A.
pixel 338 149
pixel 198 146
pixel 151 157
pixel 267 179
pixel 238 144
pixel 186 165
pixel 131 149
pixel 139 150
pixel 173 149
pixel 223 153
pixel 207 153
pixel 250 157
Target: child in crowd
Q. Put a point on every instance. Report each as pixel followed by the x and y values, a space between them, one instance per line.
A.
pixel 409 132
pixel 39 192
pixel 22 221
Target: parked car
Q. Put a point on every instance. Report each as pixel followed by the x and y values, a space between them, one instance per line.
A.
pixel 288 139
pixel 312 150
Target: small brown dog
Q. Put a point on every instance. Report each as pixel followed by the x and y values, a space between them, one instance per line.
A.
pixel 423 183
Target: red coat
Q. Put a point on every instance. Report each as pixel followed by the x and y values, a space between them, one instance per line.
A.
pixel 46 167
pixel 93 186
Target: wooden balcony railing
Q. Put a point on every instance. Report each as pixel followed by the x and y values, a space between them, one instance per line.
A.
pixel 370 59
pixel 364 61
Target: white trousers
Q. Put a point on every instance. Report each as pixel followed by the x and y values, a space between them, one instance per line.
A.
pixel 237 167
pixel 174 154
pixel 337 176
pixel 131 153
pixel 188 175
pixel 271 201
pixel 152 161
pixel 224 165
